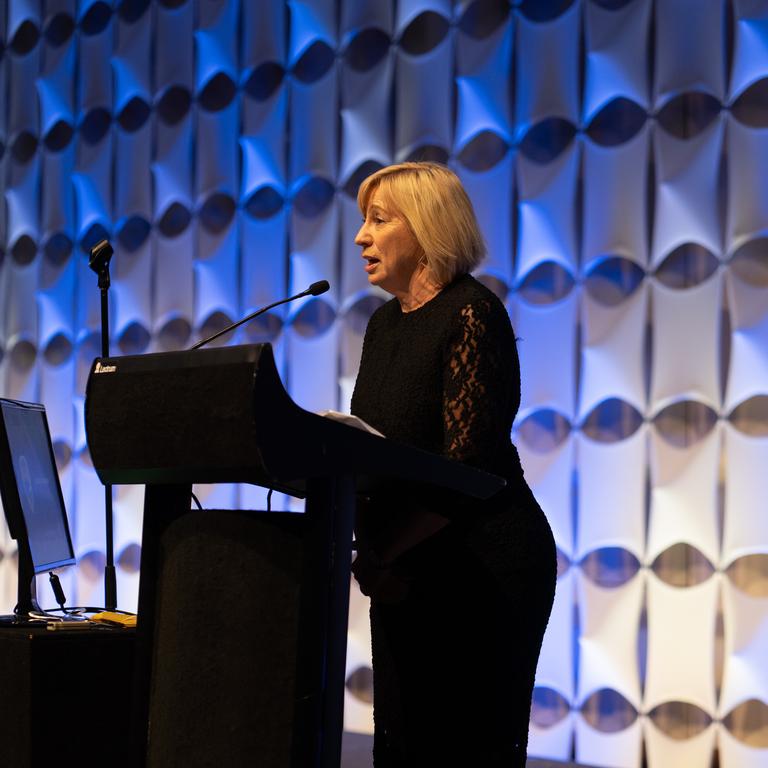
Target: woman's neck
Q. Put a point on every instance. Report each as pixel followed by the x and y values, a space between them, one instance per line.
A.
pixel 422 288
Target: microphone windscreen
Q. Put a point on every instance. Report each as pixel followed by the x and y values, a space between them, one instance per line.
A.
pixel 100 255
pixel 321 286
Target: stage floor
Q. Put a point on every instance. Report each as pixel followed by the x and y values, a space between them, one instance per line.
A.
pixel 356 753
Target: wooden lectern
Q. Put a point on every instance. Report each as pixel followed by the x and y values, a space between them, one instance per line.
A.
pixel 222 416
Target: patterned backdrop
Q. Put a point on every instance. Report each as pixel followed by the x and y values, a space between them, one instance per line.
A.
pixel 617 155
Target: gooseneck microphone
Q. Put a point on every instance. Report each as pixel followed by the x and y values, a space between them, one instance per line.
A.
pixel 321 286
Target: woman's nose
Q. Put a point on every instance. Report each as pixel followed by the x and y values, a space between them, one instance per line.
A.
pixel 362 237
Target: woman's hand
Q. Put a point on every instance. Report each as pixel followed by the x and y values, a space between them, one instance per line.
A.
pixel 378 579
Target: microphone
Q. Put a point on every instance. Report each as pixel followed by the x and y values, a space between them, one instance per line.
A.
pixel 98 261
pixel 321 286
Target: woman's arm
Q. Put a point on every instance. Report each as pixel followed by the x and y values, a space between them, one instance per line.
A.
pixel 481 386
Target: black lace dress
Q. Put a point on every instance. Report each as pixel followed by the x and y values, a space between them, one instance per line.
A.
pixel 454 661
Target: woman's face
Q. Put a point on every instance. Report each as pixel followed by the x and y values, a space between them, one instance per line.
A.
pixel 389 247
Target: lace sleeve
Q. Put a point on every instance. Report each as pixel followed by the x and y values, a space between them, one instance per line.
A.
pixel 479 394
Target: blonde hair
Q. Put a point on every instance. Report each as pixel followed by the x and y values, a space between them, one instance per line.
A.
pixel 433 203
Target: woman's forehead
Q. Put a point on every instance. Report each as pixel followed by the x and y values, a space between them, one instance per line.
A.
pixel 380 198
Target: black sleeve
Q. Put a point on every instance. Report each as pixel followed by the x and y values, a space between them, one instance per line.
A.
pixel 481 385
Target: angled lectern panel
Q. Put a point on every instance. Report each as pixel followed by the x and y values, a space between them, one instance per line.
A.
pixel 222 415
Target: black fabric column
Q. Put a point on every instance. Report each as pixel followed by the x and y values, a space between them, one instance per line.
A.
pixel 224 659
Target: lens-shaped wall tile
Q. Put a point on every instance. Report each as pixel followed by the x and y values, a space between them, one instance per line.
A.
pixel 608 711
pixel 682 566
pixel 611 421
pixel 687 265
pixel 610 567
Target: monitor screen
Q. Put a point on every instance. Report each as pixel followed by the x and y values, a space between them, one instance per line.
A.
pixel 34 485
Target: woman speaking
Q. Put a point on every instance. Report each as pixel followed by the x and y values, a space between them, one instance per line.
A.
pixel 461 590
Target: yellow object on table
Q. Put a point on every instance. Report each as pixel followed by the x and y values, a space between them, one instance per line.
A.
pixel 114 618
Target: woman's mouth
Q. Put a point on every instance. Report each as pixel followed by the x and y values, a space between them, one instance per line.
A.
pixel 371 263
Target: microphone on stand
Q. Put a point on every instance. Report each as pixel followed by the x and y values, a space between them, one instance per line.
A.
pixel 321 286
pixel 99 258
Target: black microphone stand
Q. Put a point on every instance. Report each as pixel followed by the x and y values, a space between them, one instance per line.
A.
pixel 101 253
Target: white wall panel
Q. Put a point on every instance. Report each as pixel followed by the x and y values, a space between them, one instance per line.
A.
pixel 423 100
pixel 745 524
pixel 547 85
pixel 689 48
pixel 615 180
pixel 748 366
pixel 547 349
pixel 553 742
pixel 686 327
pixel 483 96
pixel 750 50
pixel 616 41
pixel 613 351
pixel 609 622
pixel 695 752
pixel 687 204
pixel 684 496
pixel 546 229
pixel 681 644
pixel 611 494
pixel 491 195
pixel 366 103
pixel 747 194
pixel 549 476
pixel 556 668
pixel 745 677
pixel 619 749
pixel 734 754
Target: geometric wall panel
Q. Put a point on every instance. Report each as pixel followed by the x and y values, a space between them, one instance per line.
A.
pixel 684 496
pixel 609 625
pixel 686 199
pixel 482 96
pixel 549 379
pixel 423 100
pixel 491 195
pixel 550 477
pixel 748 369
pixel 694 752
pixel 750 51
pixel 681 644
pixel 747 195
pixel 615 180
pixel 611 494
pixel 556 659
pixel 685 344
pixel 745 526
pixel 734 754
pixel 364 117
pixel 613 351
pixel 689 49
pixel 547 86
pixel 746 648
pixel 621 749
pixel 616 41
pixel 554 742
pixel 546 223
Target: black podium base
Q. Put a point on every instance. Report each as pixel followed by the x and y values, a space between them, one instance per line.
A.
pixel 65 697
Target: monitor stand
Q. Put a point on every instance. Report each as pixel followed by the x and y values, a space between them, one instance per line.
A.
pixel 26 597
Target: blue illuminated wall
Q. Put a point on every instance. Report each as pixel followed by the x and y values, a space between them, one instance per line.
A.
pixel 616 152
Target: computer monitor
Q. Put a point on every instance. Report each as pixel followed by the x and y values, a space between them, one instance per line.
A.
pixel 32 498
